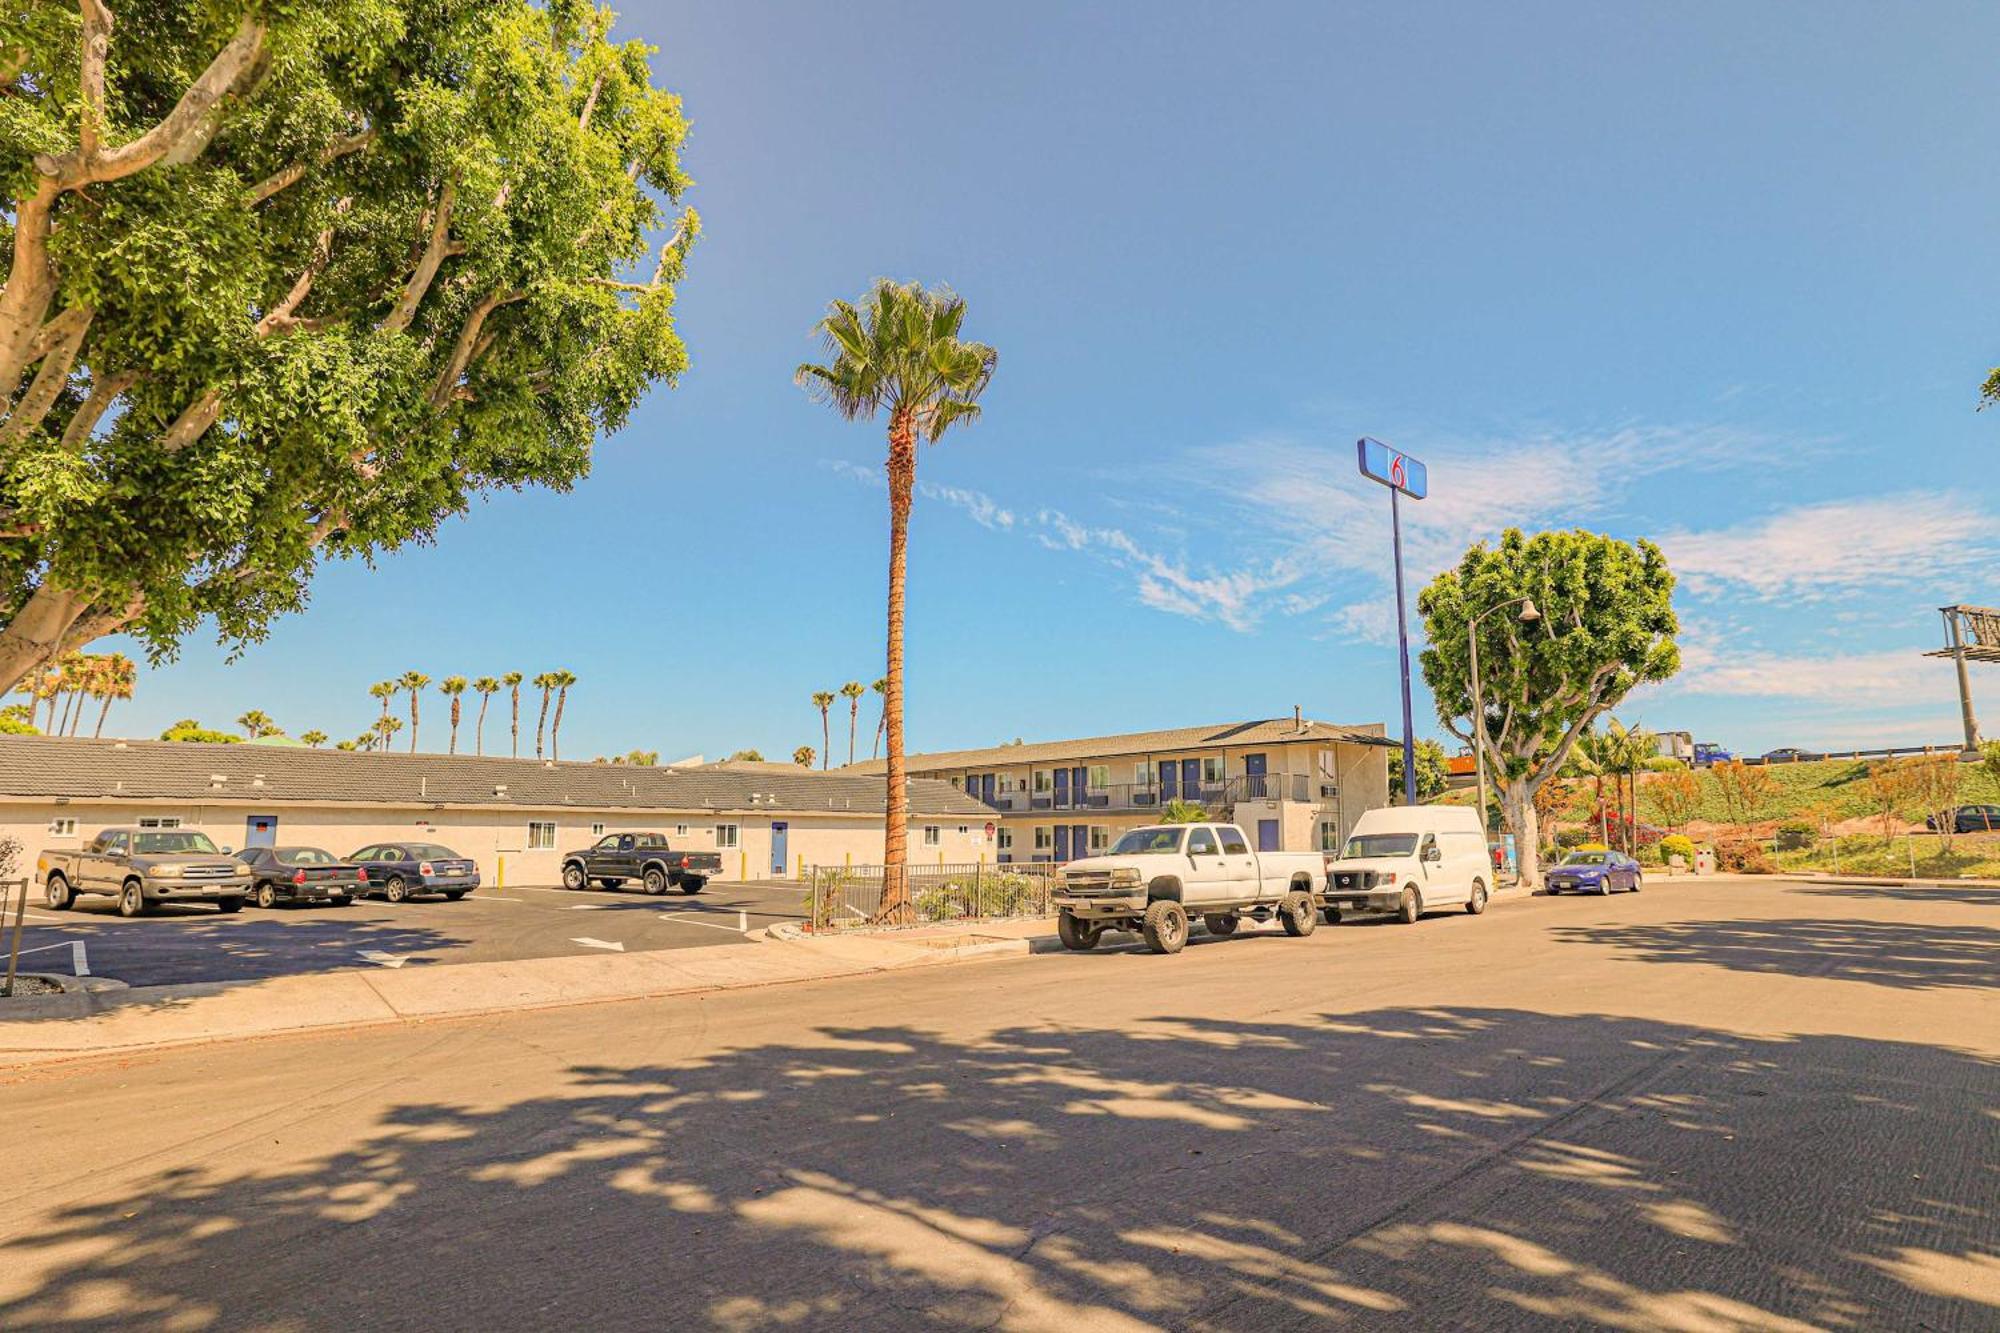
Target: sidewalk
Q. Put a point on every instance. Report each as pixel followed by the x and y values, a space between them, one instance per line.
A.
pixel 152 1017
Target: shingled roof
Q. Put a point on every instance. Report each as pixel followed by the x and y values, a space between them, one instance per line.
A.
pixel 49 766
pixel 1138 744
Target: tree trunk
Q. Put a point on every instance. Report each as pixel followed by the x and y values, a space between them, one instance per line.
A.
pixel 35 634
pixel 413 720
pixel 453 747
pixel 541 723
pixel 479 728
pixel 517 721
pixel 555 728
pixel 853 722
pixel 896 813
pixel 1519 804
pixel 881 725
pixel 102 713
pixel 825 739
pixel 61 728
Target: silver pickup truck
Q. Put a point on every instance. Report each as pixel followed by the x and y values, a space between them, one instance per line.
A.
pixel 141 867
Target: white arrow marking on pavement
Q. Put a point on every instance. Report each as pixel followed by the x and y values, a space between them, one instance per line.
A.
pixel 596 944
pixel 385 959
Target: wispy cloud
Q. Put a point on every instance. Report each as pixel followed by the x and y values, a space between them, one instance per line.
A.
pixel 1824 549
pixel 1716 666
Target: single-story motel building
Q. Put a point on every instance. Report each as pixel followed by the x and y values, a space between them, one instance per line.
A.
pixel 1291 783
pixel 516 817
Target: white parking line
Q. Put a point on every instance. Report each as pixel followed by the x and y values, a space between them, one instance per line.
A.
pixel 682 919
pixel 79 957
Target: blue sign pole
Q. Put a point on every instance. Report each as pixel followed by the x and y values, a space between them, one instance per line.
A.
pixel 1403 475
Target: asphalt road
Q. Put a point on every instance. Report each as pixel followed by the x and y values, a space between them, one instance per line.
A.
pixel 196 943
pixel 1724 1105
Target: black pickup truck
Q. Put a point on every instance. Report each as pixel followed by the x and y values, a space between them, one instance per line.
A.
pixel 646 857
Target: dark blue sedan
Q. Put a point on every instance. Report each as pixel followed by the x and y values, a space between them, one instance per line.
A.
pixel 1595 872
pixel 400 870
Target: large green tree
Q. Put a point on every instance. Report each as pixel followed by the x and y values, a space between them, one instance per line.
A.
pixel 1432 772
pixel 288 282
pixel 1607 624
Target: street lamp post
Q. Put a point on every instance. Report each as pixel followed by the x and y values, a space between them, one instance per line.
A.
pixel 1529 614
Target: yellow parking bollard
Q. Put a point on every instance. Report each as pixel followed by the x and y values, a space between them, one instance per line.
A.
pixel 500 876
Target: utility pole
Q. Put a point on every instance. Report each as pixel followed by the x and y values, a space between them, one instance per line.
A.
pixel 1403 475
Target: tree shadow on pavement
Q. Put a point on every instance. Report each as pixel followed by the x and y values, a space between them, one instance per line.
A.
pixel 1907 955
pixel 1979 895
pixel 1427 1169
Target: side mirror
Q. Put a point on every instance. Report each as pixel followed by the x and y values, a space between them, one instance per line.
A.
pixel 1434 854
pixel 227 849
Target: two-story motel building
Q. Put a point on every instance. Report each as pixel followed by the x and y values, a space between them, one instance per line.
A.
pixel 1292 784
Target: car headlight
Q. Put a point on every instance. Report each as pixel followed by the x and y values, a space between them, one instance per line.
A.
pixel 166 872
pixel 1125 876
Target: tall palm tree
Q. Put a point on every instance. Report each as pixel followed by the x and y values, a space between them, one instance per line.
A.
pixel 881 688
pixel 257 723
pixel 852 692
pixel 563 680
pixel 385 690
pixel 1631 747
pixel 1596 755
pixel 899 353
pixel 486 687
pixel 385 727
pixel 413 683
pixel 512 680
pixel 451 687
pixel 313 739
pixel 71 673
pixel 91 680
pixel 823 700
pixel 121 675
pixel 546 683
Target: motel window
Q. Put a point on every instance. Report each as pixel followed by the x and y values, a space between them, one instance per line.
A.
pixel 933 835
pixel 1006 839
pixel 597 830
pixel 1142 773
pixel 680 830
pixel 1100 776
pixel 160 821
pixel 1043 841
pixel 1042 779
pixel 1211 769
pixel 1100 837
pixel 727 835
pixel 1329 836
pixel 541 835
pixel 62 828
pixel 964 829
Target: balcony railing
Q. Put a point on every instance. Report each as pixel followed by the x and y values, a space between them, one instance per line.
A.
pixel 1145 796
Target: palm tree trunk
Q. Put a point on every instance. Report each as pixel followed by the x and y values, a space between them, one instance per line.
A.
pixel 453 748
pixel 68 697
pixel 76 714
pixel 853 721
pixel 555 728
pixel 881 725
pixel 896 803
pixel 541 721
pixel 102 713
pixel 413 721
pixel 825 739
pixel 517 721
pixel 1603 817
pixel 479 728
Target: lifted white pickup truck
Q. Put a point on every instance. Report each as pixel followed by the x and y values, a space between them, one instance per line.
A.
pixel 1154 878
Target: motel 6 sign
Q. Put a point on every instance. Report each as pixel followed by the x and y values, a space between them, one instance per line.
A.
pixel 1381 463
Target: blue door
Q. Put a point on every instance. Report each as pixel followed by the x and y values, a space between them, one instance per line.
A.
pixel 1267 835
pixel 1079 783
pixel 1168 788
pixel 1062 838
pixel 780 844
pixel 1253 778
pixel 987 782
pixel 1079 840
pixel 260 831
pixel 1062 792
pixel 1191 779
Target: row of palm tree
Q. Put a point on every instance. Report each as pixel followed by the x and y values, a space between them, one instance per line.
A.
pixel 1619 753
pixel 75 679
pixel 552 684
pixel 852 692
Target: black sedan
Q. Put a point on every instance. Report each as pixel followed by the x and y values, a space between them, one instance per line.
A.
pixel 1968 819
pixel 400 870
pixel 300 875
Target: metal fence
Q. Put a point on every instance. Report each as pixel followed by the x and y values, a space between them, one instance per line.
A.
pixel 1895 855
pixel 842 897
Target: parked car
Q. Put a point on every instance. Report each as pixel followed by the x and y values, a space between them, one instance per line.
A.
pixel 1968 819
pixel 1407 859
pixel 646 857
pixel 1784 754
pixel 300 875
pixel 1153 878
pixel 143 867
pixel 397 870
pixel 1595 871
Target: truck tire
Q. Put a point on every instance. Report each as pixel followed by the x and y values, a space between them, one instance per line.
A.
pixel 1221 925
pixel 132 899
pixel 1411 907
pixel 692 884
pixel 1081 936
pixel 1165 926
pixel 58 895
pixel 1296 915
pixel 655 880
pixel 1477 902
pixel 574 878
pixel 1331 915
pixel 228 905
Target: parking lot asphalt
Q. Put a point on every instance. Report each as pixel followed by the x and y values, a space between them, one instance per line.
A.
pixel 195 943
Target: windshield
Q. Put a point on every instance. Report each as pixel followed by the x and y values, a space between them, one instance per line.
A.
pixel 1381 844
pixel 179 840
pixel 305 856
pixel 430 851
pixel 1142 840
pixel 1585 859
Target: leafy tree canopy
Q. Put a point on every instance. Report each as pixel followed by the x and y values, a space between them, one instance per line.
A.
pixel 187 729
pixel 1430 771
pixel 289 282
pixel 1606 625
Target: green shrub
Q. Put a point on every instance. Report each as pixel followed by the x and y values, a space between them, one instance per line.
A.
pixel 1574 836
pixel 1797 834
pixel 1677 844
pixel 1661 763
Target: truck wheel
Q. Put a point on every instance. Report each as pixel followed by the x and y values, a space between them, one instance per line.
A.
pixel 1165 926
pixel 574 878
pixel 1081 936
pixel 1221 925
pixel 267 897
pixel 1411 907
pixel 131 899
pixel 1296 915
pixel 692 884
pixel 58 895
pixel 1477 902
pixel 228 905
pixel 1331 915
pixel 396 890
pixel 655 880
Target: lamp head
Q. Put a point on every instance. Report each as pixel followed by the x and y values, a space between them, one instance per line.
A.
pixel 1529 613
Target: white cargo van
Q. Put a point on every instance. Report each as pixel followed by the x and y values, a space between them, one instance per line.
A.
pixel 1410 859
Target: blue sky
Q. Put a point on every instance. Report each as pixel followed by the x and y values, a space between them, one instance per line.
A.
pixel 1720 275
